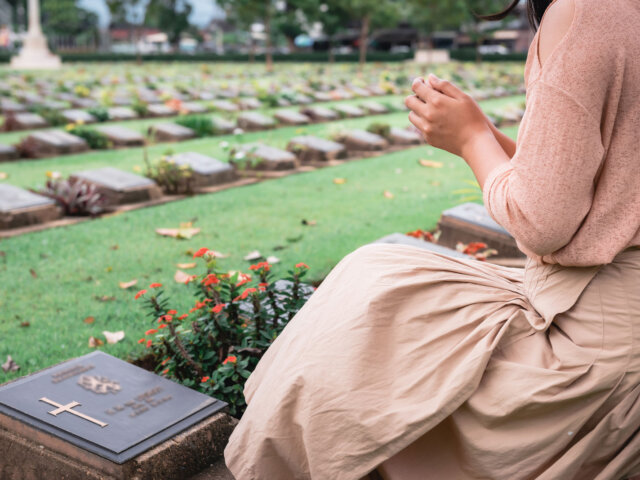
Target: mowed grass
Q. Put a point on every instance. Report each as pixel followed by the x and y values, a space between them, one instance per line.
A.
pixel 56 278
pixel 32 173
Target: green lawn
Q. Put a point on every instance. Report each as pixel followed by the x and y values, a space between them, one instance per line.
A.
pixel 55 278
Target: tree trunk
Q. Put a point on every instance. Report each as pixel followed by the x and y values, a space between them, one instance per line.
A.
pixel 137 40
pixel 252 51
pixel 332 56
pixel 267 33
pixel 364 35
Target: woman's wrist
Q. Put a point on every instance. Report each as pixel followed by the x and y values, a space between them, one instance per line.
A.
pixel 483 152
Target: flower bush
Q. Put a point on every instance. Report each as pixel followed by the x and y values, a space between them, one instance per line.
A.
pixel 215 346
pixel 75 197
pixel 171 177
pixel 94 138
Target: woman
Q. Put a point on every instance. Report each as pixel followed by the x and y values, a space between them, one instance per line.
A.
pixel 419 366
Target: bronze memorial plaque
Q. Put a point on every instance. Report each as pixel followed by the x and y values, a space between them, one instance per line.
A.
pixel 105 405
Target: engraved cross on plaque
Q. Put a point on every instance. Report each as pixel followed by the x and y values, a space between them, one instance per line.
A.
pixel 69 408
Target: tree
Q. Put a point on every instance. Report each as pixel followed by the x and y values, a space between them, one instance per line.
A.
pixel 65 17
pixel 129 12
pixel 170 16
pixel 333 18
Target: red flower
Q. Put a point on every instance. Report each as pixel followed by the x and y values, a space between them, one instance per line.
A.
pixel 183 316
pixel 155 285
pixel 141 340
pixel 165 371
pixel 151 331
pixel 230 358
pixel 172 312
pixel 164 362
pixel 245 294
pixel 210 279
pixel 164 325
pixel 200 252
pixel 245 280
pixel 473 247
pixel 263 284
pixel 302 265
pixel 149 343
pixel 218 308
pixel 204 379
pixel 260 265
pixel 139 294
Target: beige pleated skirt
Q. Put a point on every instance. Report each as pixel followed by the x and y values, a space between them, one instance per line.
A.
pixel 502 373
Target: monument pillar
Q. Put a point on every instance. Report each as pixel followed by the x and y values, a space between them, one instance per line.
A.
pixel 35 53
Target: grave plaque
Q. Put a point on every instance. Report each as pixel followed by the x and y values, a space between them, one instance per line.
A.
pixel 160 110
pixel 471 222
pixel 225 106
pixel 9 106
pixel 254 121
pixel 360 92
pixel 52 143
pixel 349 111
pixel 121 113
pixel 322 96
pixel 264 157
pixel 119 187
pixel 249 103
pixel 222 126
pixel 19 207
pixel 171 132
pixel 402 136
pixel 363 141
pixel 402 239
pixel 288 117
pixel 192 107
pixel 78 116
pixel 24 121
pixel 375 108
pixel 8 152
pixel 106 415
pixel 314 149
pixel 207 171
pixel 121 136
pixel 320 114
pixel 80 102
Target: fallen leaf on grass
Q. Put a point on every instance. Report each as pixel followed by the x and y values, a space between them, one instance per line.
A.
pixel 114 247
pixel 310 223
pixel 4 176
pixel 272 259
pixel 388 194
pixel 255 255
pixel 179 233
pixel 95 342
pixel 215 254
pixel 89 320
pixel 104 298
pixel 25 324
pixel 430 163
pixel 125 285
pixel 113 337
pixel 33 273
pixel 187 265
pixel 183 277
pixel 339 181
pixel 10 365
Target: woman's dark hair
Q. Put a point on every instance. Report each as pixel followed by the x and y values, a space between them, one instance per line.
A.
pixel 535 10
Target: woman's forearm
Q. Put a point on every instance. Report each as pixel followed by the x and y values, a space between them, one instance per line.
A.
pixel 507 144
pixel 483 152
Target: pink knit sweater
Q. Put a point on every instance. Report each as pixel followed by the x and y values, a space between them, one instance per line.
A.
pixel 571 193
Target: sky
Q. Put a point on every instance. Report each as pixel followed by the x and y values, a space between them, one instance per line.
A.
pixel 203 10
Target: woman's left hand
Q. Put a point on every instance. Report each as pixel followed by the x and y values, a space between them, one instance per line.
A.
pixel 447 117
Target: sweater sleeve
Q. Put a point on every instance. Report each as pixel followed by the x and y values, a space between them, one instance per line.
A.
pixel 544 193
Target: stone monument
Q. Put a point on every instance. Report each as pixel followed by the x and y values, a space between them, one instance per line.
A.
pixel 35 53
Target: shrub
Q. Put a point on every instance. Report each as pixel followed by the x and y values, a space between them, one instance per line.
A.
pixel 100 113
pixel 140 107
pixel 170 176
pixel 382 129
pixel 75 197
pixel 53 117
pixel 94 138
pixel 216 345
pixel 202 125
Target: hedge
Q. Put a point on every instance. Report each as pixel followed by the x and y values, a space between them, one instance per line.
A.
pixel 469 55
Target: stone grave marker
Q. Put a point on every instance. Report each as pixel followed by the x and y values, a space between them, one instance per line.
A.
pixel 377 90
pixel 254 121
pixel 302 99
pixel 314 149
pixel 19 207
pixel 225 106
pixel 121 113
pixel 360 92
pixel 470 222
pixel 320 114
pixel 9 106
pixel 222 126
pixel 51 143
pixel 24 121
pixel 100 417
pixel 78 116
pixel 121 136
pixel 208 96
pixel 363 141
pixel 375 108
pixel 79 102
pixel 53 105
pixel 8 152
pixel 207 171
pixel 322 97
pixel 119 187
pixel 248 103
pixel 349 111
pixel 402 136
pixel 402 239
pixel 289 117
pixel 192 107
pixel 171 132
pixel 264 157
pixel 160 110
